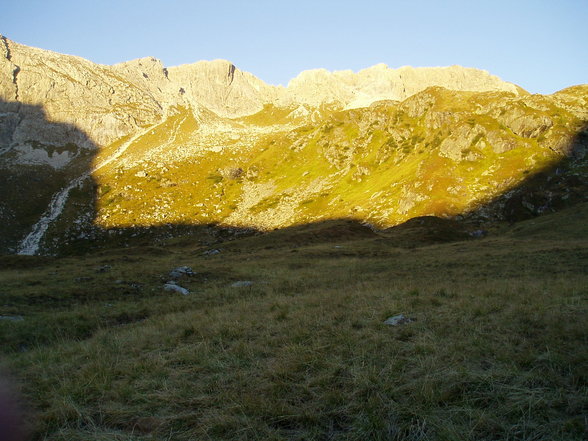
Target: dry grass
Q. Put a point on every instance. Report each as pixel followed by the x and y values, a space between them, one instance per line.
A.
pixel 497 350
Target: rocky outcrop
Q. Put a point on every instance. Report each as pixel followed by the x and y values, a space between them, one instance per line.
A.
pixel 458 145
pixel 219 86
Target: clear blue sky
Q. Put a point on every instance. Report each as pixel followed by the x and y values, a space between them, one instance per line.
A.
pixel 538 44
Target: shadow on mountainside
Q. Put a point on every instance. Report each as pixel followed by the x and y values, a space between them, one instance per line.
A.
pixel 39 159
pixel 49 195
pixel 562 184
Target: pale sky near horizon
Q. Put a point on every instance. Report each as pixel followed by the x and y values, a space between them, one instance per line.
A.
pixel 539 45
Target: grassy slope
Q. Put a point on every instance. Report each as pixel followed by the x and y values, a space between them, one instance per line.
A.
pixel 443 155
pixel 498 348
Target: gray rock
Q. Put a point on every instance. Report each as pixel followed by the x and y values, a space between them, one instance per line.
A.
pixel 12 318
pixel 180 271
pixel 526 123
pixel 396 320
pixel 242 284
pixel 458 145
pixel 172 286
pixel 211 252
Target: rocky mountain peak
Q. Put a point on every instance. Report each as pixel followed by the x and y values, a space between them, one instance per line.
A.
pixel 219 86
pixel 380 82
pixel 108 102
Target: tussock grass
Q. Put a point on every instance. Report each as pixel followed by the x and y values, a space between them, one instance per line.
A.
pixel 497 349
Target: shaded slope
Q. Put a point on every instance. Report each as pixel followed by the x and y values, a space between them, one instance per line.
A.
pixel 496 349
pixel 34 175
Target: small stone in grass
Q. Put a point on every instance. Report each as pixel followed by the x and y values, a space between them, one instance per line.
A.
pixel 242 283
pixel 171 286
pixel 399 319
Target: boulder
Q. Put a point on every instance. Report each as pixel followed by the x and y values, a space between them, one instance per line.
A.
pixel 181 271
pixel 172 286
pixel 399 319
pixel 11 318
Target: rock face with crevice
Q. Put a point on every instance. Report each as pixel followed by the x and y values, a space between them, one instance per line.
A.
pixel 9 74
pixel 222 88
pixel 70 90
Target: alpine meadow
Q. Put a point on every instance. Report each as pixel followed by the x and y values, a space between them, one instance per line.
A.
pixel 189 253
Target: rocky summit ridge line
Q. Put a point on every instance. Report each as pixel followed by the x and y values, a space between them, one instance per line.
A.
pixel 108 102
pixel 138 145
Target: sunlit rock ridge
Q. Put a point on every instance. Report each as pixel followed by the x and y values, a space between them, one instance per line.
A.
pixel 88 148
pixel 108 102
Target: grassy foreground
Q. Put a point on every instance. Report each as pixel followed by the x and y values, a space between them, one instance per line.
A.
pixel 498 349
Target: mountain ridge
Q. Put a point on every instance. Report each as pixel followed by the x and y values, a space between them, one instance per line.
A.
pixel 202 83
pixel 138 145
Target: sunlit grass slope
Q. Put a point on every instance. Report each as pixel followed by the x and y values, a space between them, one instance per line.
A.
pixel 439 153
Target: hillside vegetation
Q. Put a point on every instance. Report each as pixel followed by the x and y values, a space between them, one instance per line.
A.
pixel 439 153
pixel 90 151
pixel 485 156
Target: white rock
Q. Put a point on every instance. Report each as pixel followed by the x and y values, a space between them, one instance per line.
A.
pixel 396 320
pixel 242 284
pixel 11 318
pixel 172 286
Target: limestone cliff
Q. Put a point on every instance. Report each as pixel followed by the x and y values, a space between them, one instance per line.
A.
pixel 219 86
pixel 71 90
pixel 379 82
